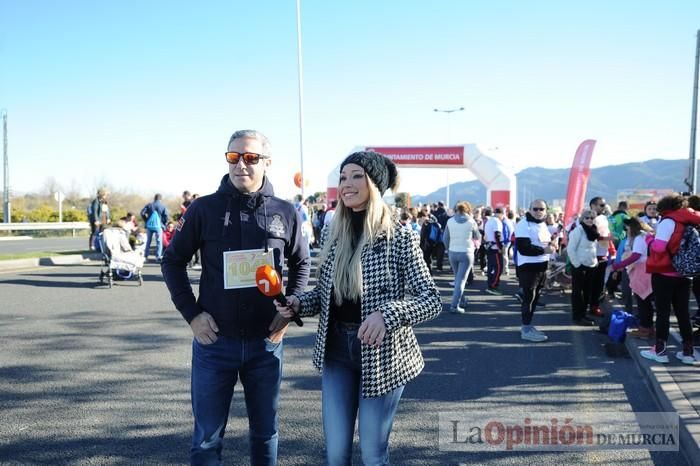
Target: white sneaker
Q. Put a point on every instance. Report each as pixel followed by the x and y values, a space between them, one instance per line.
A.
pixel 530 333
pixel 651 353
pixel 457 310
pixel 686 358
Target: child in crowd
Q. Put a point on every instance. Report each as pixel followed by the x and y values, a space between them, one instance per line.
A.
pixel 168 234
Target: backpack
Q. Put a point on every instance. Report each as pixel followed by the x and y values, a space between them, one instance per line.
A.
pixel 435 234
pixel 506 233
pixel 153 222
pixel 686 260
pixel 619 322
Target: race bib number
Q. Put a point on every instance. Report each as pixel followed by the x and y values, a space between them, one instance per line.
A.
pixel 240 267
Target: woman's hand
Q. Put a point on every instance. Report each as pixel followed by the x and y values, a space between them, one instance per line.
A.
pixel 290 309
pixel 372 330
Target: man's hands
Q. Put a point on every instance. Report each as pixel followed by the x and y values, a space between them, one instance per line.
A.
pixel 278 328
pixel 204 328
pixel 372 330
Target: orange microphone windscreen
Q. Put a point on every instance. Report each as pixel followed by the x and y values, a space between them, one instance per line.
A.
pixel 268 281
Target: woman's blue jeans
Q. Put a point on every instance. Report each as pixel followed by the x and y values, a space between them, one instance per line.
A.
pixel 215 371
pixel 461 263
pixel 342 400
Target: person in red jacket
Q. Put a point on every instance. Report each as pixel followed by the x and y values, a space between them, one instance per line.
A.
pixel 168 234
pixel 670 288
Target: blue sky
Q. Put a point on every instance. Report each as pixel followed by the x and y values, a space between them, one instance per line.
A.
pixel 144 95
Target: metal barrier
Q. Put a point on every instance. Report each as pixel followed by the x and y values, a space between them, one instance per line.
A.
pixel 37 226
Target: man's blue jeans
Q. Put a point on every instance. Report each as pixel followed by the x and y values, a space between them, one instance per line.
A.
pixel 215 370
pixel 342 399
pixel 159 243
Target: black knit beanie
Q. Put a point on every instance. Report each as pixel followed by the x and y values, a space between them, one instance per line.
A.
pixel 380 169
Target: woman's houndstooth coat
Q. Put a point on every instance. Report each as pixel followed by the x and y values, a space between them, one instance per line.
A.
pixel 396 282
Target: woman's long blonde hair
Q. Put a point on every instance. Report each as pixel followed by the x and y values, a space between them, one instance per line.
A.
pixel 347 280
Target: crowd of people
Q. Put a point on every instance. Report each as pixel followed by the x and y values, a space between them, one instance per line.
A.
pixel 375 282
pixel 157 228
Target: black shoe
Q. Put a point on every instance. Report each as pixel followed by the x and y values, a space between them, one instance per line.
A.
pixel 585 322
pixel 540 304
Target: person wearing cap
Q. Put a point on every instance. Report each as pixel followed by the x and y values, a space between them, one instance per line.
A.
pixel 373 287
pixel 639 280
pixel 651 214
pixel 236 337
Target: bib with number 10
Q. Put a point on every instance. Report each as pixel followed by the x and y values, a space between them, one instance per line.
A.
pixel 240 267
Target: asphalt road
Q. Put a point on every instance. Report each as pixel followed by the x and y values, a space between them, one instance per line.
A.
pixel 44 244
pixel 90 375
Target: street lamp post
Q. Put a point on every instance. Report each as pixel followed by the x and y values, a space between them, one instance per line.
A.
pixel 301 97
pixel 448 112
pixel 6 206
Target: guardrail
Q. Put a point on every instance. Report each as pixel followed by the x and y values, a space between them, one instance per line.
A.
pixel 36 226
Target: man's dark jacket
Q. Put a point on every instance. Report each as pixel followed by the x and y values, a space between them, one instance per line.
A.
pixel 254 220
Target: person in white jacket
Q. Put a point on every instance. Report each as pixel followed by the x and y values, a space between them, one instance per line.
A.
pixel 460 233
pixel 583 242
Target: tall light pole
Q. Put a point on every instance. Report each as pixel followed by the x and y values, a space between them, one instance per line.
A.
pixel 692 180
pixel 301 98
pixel 448 112
pixel 6 212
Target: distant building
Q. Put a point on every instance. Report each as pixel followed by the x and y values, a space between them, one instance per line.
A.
pixel 636 198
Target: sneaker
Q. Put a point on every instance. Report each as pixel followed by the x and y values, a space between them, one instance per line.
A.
pixel 519 297
pixel 654 355
pixel 196 267
pixel 539 304
pixel 457 310
pixel 687 356
pixel 494 291
pixel 584 322
pixel 450 283
pixel 530 333
pixel 596 311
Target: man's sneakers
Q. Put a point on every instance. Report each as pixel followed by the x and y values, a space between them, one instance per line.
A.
pixel 656 353
pixel 494 291
pixel 519 296
pixel 687 356
pixel 457 310
pixel 530 333
pixel 584 322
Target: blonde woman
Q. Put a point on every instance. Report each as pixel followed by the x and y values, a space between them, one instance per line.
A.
pixel 460 233
pixel 373 287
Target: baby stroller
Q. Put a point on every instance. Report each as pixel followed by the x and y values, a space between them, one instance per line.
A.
pixel 557 278
pixel 119 261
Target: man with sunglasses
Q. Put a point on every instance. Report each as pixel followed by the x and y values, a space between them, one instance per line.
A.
pixel 597 205
pixel 534 244
pixel 241 226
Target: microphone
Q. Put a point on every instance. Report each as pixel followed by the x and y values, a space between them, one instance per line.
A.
pixel 270 284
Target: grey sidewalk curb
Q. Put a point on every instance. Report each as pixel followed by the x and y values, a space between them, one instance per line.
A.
pixel 670 398
pixel 71 259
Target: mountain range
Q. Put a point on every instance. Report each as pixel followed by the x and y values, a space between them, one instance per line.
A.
pixel 551 183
